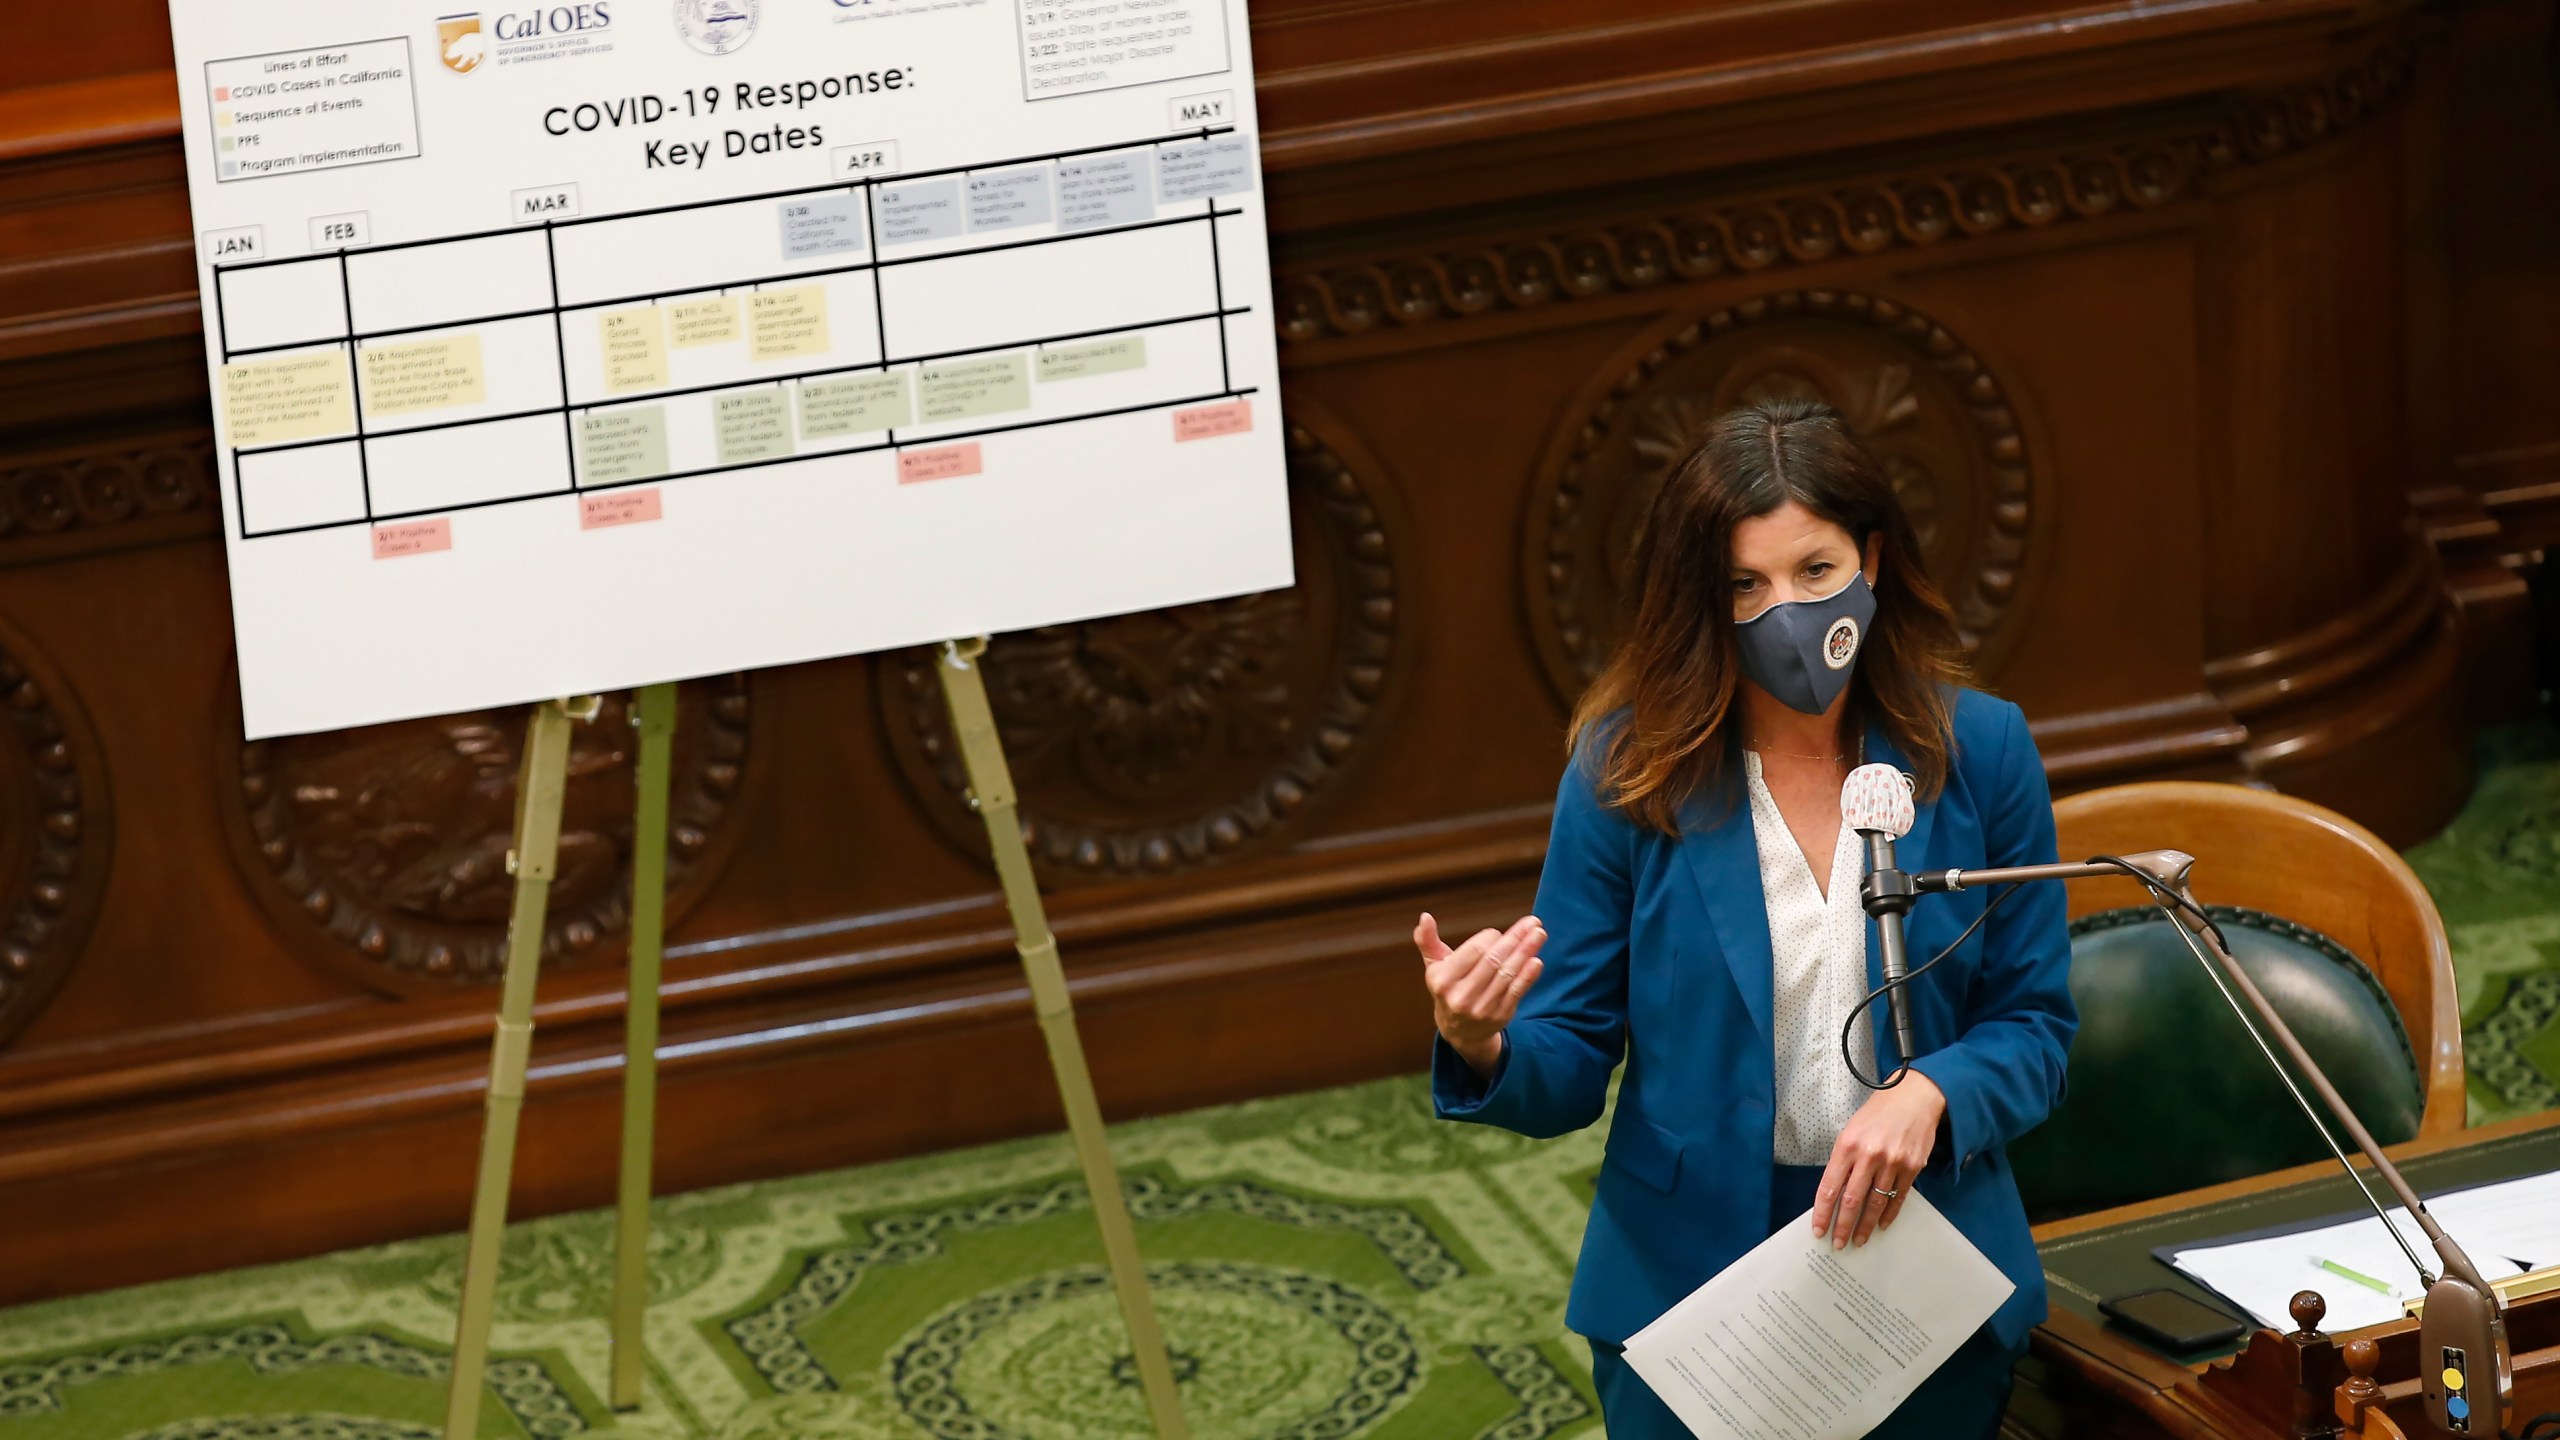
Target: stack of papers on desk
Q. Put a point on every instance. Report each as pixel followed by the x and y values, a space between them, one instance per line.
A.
pixel 2506 1229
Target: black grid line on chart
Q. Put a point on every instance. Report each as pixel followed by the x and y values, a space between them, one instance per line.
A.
pixel 925 301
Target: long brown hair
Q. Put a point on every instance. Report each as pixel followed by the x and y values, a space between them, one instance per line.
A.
pixel 1668 688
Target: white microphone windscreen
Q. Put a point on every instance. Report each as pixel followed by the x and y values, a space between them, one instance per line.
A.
pixel 1877 798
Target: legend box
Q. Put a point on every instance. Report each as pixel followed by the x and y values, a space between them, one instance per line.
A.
pixel 322 109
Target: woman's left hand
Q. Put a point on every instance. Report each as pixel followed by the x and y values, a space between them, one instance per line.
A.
pixel 1878 1155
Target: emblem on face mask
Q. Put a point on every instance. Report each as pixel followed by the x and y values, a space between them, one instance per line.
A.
pixel 1840 643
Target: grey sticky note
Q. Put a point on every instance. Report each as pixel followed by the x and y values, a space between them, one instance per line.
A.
pixel 752 425
pixel 1098 190
pixel 1002 199
pixel 617 445
pixel 858 405
pixel 964 389
pixel 1092 357
pixel 1222 166
pixel 917 210
pixel 825 225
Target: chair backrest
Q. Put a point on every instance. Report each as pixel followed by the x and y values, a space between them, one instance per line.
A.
pixel 2306 863
pixel 2165 1095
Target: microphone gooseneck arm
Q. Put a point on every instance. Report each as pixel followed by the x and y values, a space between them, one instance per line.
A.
pixel 2462 1316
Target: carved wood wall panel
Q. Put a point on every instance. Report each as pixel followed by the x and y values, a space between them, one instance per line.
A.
pixel 2122 304
pixel 99 497
pixel 58 835
pixel 1808 226
pixel 1146 745
pixel 382 851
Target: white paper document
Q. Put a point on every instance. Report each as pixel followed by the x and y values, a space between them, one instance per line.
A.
pixel 2514 1220
pixel 2505 1228
pixel 2262 1276
pixel 1798 1341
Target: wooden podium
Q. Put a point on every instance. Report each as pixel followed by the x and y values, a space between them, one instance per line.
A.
pixel 2085 1378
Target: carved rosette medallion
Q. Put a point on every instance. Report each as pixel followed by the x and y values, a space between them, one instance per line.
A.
pixel 1155 743
pixel 385 847
pixel 55 844
pixel 107 487
pixel 1924 404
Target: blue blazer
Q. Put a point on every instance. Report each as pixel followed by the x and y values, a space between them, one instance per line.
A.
pixel 1658 951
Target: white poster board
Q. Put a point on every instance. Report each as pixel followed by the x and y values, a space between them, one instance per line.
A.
pixel 579 346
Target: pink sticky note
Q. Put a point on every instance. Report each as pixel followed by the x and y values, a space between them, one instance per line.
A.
pixel 618 507
pixel 221 92
pixel 1210 421
pixel 411 537
pixel 942 464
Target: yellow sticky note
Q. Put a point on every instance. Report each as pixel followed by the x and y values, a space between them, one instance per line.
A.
pixel 635 349
pixel 423 375
pixel 298 397
pixel 787 324
pixel 703 322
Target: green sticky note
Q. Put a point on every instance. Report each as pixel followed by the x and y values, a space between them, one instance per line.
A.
pixel 858 405
pixel 753 425
pixel 621 445
pixel 962 389
pixel 1099 357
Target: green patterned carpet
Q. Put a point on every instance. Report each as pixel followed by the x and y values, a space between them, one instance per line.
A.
pixel 1327 1265
pixel 2495 873
pixel 1334 1266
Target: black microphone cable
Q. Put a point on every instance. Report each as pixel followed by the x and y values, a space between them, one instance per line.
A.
pixel 2168 898
pixel 1850 1025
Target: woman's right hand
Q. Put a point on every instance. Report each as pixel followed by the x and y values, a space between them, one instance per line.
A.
pixel 1476 987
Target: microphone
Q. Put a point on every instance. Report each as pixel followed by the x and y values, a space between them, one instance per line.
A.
pixel 1875 801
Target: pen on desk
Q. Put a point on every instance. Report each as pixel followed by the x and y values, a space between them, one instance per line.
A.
pixel 2380 1287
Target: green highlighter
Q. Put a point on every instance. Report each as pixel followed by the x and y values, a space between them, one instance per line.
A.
pixel 2379 1287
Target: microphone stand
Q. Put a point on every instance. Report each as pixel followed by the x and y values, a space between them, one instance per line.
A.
pixel 2464 1318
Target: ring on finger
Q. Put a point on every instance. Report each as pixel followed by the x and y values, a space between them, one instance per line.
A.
pixel 1895 1194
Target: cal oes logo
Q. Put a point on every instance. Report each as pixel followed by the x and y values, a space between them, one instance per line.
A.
pixel 717 27
pixel 1840 643
pixel 460 41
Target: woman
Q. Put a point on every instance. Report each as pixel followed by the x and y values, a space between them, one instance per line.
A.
pixel 1699 916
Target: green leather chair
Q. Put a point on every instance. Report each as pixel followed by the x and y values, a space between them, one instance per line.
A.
pixel 2167 1091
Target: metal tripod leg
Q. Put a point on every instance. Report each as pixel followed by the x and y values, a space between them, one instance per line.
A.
pixel 991 783
pixel 540 787
pixel 655 715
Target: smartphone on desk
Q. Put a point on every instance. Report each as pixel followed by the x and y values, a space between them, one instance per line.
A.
pixel 2172 1321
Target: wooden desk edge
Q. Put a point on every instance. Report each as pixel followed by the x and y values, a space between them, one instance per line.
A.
pixel 2278 1179
pixel 2131 1375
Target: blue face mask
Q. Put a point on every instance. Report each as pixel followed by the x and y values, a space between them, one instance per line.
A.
pixel 1801 651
